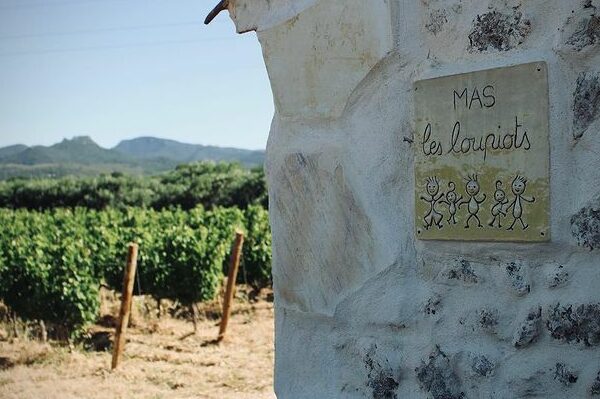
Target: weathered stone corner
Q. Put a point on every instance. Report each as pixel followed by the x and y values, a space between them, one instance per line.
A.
pixel 392 121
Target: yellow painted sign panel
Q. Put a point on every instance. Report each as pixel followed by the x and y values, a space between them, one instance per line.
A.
pixel 482 155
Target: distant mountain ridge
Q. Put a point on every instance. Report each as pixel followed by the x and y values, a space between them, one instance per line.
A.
pixel 79 150
pixel 12 149
pixel 144 155
pixel 152 147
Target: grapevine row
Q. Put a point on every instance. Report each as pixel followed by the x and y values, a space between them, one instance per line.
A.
pixel 53 263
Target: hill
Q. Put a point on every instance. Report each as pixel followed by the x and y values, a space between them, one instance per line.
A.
pixel 11 150
pixel 79 150
pixel 82 156
pixel 152 148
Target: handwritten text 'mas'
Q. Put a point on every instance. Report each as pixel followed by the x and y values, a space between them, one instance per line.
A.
pixel 486 99
pixel 459 144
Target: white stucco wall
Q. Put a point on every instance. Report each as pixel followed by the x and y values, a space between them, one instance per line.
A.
pixel 363 309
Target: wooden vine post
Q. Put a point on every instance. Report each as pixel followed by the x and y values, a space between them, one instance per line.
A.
pixel 126 299
pixel 234 264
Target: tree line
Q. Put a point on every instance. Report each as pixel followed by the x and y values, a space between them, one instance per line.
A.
pixel 203 183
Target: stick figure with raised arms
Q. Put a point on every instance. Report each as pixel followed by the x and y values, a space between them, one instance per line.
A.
pixel 497 208
pixel 518 187
pixel 433 216
pixel 452 200
pixel 472 187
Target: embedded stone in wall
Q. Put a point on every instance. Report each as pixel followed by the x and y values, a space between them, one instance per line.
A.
pixel 582 29
pixel 586 103
pixel 437 377
pixel 488 319
pixel 437 20
pixel 558 276
pixel 381 379
pixel 565 374
pixel 498 30
pixel 575 323
pixel 529 330
pixel 516 273
pixel 462 271
pixel 531 384
pixel 432 306
pixel 482 366
pixel 585 225
pixel 595 388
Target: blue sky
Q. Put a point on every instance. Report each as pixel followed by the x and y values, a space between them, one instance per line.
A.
pixel 118 69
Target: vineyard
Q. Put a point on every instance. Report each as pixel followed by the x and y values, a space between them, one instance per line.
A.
pixel 54 261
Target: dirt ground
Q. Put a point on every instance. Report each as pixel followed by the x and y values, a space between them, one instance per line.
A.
pixel 157 362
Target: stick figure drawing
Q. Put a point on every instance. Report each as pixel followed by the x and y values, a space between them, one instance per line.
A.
pixel 501 200
pixel 433 216
pixel 518 187
pixel 472 188
pixel 452 200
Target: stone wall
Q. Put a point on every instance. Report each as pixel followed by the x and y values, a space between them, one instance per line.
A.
pixel 363 309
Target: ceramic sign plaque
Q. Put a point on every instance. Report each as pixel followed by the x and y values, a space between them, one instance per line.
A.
pixel 482 155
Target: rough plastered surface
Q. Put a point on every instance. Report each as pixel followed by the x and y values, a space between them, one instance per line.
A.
pixel 363 309
pixel 336 44
pixel 264 14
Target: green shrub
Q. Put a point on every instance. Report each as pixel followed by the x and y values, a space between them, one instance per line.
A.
pixel 47 273
pixel 256 254
pixel 202 183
